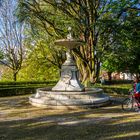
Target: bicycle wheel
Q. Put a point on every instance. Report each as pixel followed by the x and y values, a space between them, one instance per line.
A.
pixel 127 104
pixel 135 104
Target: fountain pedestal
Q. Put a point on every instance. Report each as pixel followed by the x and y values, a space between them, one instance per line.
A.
pixel 69 80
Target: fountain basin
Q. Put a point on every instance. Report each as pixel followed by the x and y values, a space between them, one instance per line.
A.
pixel 91 97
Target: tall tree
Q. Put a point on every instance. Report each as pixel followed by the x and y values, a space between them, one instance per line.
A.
pixel 96 22
pixel 11 37
pixel 124 55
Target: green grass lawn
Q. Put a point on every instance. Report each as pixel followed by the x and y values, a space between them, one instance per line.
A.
pixel 128 86
pixel 115 89
pixel 21 121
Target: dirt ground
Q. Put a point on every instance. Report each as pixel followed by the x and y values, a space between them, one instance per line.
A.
pixel 21 121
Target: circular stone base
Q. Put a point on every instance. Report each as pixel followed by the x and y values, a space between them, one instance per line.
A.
pixel 91 97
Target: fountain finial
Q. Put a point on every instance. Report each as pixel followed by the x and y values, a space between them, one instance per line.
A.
pixel 69 36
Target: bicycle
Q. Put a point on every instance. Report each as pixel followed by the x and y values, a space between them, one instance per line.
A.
pixel 130 103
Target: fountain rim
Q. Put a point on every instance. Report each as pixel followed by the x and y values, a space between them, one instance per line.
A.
pixel 69 43
pixel 86 91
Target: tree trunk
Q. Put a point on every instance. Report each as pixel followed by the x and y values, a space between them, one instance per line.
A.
pixel 109 76
pixel 96 72
pixel 85 77
pixel 89 76
pixel 15 75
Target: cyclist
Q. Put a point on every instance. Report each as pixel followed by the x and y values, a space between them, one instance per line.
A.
pixel 136 88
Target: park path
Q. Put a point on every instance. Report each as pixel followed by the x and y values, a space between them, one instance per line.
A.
pixel 18 108
pixel 21 121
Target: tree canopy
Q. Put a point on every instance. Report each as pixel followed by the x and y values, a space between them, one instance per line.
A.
pixel 102 24
pixel 109 28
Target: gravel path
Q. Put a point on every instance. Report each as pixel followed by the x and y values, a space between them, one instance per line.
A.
pixel 18 108
pixel 21 121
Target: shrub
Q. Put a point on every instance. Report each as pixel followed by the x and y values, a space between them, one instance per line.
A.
pixel 116 90
pixel 16 91
pixel 22 88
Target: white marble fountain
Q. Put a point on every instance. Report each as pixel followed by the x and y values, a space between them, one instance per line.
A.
pixel 69 93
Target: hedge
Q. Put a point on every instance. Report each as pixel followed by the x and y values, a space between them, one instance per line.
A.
pixel 114 90
pixel 31 90
pixel 16 91
pixel 107 82
pixel 29 87
pixel 22 88
pixel 25 82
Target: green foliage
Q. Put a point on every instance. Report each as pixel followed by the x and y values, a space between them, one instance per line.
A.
pixel 43 60
pixel 6 73
pixel 105 26
pixel 124 54
pixel 109 65
pixel 26 83
pixel 35 71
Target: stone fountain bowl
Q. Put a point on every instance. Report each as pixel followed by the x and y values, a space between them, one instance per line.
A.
pixel 91 97
pixel 69 43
